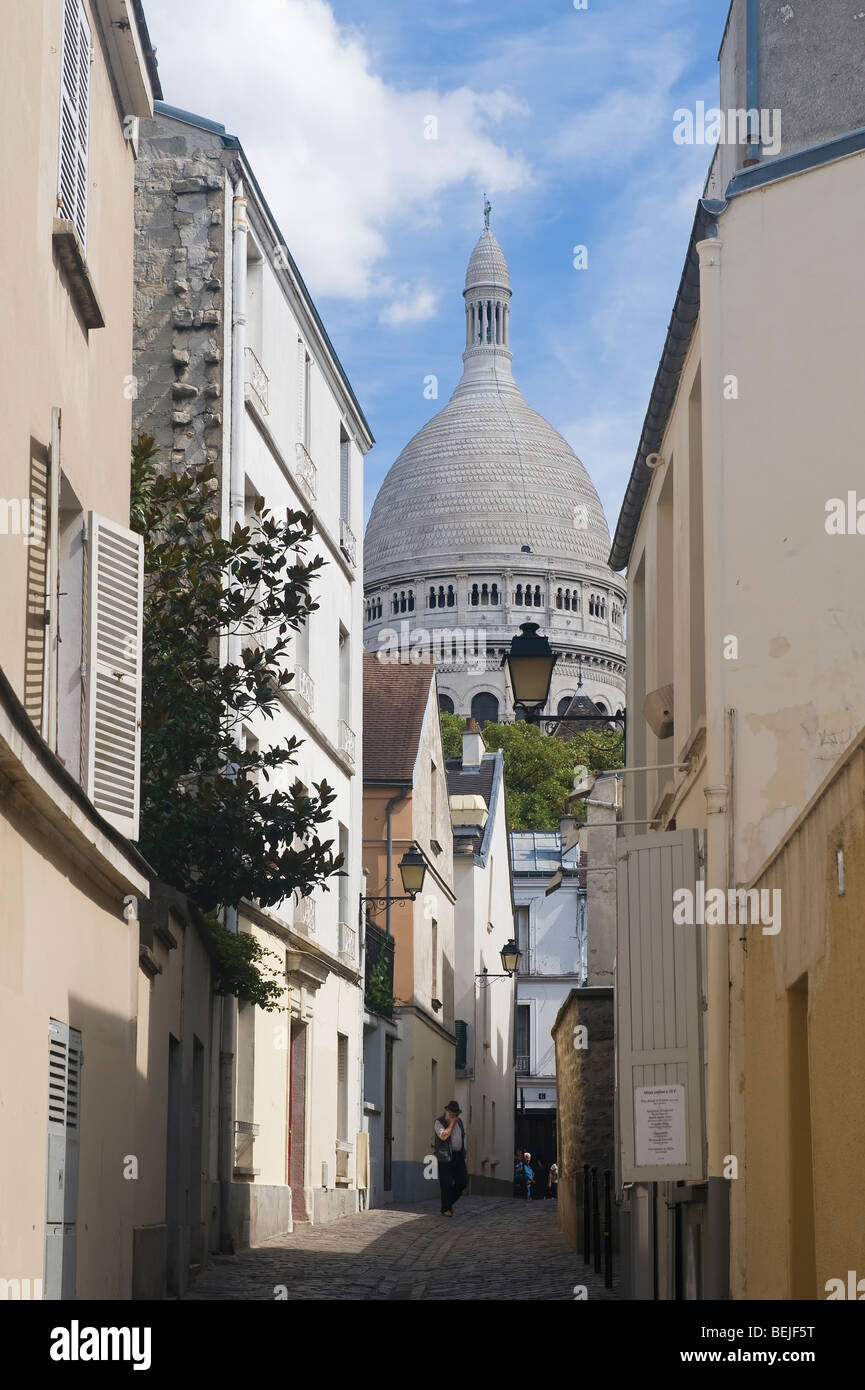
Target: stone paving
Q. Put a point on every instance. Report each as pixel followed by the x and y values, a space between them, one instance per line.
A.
pixel 493 1248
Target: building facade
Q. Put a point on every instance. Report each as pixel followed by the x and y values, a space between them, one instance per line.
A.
pixel 551 935
pixel 484 997
pixel 744 686
pixel 410 1070
pixel 70 605
pixel 234 368
pixel 488 520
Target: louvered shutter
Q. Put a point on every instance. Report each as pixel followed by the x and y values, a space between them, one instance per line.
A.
pixel 345 479
pixel 659 1012
pixel 64 1123
pixel 74 117
pixel 301 392
pixel 114 634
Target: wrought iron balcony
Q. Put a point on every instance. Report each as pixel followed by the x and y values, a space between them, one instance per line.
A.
pixel 304 916
pixel 522 1065
pixel 347 740
pixel 303 686
pixel 347 541
pixel 347 942
pixel 306 471
pixel 257 380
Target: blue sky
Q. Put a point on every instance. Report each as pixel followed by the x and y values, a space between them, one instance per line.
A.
pixel 564 117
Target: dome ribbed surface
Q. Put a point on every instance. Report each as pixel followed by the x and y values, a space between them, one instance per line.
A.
pixel 486 475
pixel 487 265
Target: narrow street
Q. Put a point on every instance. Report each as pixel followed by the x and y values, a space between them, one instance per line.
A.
pixel 494 1248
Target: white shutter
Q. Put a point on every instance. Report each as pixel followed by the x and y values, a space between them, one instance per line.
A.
pixel 64 1122
pixel 345 479
pixel 114 637
pixel 659 1012
pixel 301 392
pixel 74 117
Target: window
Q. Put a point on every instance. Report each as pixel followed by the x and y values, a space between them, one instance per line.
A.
pixel 475 596
pixel 451 596
pixel 522 1037
pixel 564 705
pixel 344 675
pixel 74 118
pixel 446 704
pixel 521 921
pixel 518 596
pixel 435 959
pixel 494 594
pixel 304 380
pixel 344 881
pixel 485 708
pixel 433 800
pixel 341 1088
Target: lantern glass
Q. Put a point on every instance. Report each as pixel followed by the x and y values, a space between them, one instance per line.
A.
pixel 530 666
pixel 412 869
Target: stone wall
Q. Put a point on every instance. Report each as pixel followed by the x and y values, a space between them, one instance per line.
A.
pixel 585 1081
pixel 180 319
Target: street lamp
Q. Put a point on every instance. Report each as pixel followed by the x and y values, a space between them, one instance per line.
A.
pixel 412 868
pixel 511 957
pixel 530 663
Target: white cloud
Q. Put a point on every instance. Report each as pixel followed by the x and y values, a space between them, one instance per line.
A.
pixel 409 306
pixel 341 155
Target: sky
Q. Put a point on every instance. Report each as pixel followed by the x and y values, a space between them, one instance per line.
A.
pixel 375 127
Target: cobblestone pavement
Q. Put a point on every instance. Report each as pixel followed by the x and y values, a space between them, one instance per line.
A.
pixel 493 1248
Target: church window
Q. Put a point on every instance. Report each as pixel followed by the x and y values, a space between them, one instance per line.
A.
pixel 451 596
pixel 474 596
pixel 568 599
pixel 485 595
pixel 431 601
pixel 411 600
pixel 564 705
pixel 446 704
pixel 485 708
pixel 518 596
pixel 494 596
pixel 560 601
pixel 395 603
pixel 441 596
pixel 592 606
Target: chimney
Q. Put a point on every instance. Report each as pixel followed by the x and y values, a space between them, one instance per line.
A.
pixel 473 745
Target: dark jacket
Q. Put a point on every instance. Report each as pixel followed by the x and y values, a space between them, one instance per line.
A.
pixel 442 1147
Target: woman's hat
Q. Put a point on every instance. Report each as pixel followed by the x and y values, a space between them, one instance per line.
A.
pixel 453 1107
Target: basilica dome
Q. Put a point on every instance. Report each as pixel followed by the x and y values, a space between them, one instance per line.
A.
pixel 488 511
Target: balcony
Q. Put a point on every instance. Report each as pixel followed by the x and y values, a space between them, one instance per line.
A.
pixel 303 686
pixel 347 943
pixel 378 992
pixel 347 542
pixel 304 916
pixel 257 382
pixel 522 1065
pixel 306 471
pixel 347 741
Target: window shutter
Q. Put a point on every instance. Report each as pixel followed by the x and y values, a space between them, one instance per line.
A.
pixel 74 117
pixel 301 392
pixel 114 637
pixel 345 479
pixel 64 1123
pixel 659 1012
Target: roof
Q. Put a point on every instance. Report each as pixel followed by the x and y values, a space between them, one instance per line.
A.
pixel 147 48
pixel 486 476
pixel 540 852
pixel 231 142
pixel 478 782
pixel 395 700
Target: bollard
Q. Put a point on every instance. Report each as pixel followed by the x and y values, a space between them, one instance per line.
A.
pixel 608 1229
pixel 587 1220
pixel 596 1220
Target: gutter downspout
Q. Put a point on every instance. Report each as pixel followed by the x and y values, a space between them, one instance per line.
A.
pixel 752 80
pixel 717 866
pixel 394 802
pixel 236 513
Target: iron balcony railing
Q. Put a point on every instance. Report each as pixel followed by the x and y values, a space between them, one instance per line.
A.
pixel 304 687
pixel 522 1065
pixel 347 541
pixel 347 942
pixel 257 380
pixel 347 740
pixel 306 471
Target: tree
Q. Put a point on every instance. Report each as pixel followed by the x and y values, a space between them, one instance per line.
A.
pixel 540 770
pixel 212 823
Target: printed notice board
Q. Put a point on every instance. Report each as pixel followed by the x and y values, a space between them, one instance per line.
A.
pixel 659 1125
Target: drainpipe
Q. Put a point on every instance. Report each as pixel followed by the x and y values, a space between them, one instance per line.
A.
pixel 752 80
pixel 236 514
pixel 394 801
pixel 717 865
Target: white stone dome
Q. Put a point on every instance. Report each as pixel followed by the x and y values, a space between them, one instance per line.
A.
pixel 487 265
